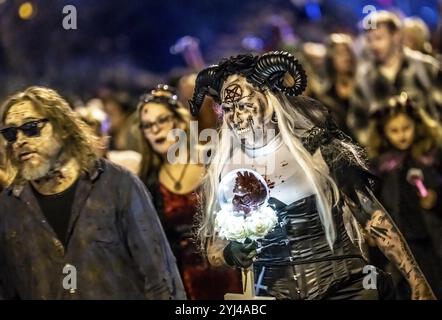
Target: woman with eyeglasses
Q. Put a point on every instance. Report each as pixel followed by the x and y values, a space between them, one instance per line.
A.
pixel 172 180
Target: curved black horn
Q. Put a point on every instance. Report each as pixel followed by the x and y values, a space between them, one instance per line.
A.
pixel 271 69
pixel 206 83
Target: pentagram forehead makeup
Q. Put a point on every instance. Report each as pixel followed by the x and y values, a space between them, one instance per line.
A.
pixel 234 93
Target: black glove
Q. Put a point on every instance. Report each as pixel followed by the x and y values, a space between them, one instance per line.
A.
pixel 240 254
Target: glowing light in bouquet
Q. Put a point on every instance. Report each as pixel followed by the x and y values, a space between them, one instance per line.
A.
pixel 244 214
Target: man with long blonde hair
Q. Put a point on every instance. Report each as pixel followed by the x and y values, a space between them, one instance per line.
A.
pixel 73 226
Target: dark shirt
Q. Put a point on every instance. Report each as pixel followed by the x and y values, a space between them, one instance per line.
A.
pixel 400 197
pixel 115 242
pixel 57 209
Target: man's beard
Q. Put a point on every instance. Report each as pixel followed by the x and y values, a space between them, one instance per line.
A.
pixel 32 172
pixel 42 166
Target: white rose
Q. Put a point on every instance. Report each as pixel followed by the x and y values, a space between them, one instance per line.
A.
pixel 261 222
pixel 221 218
pixel 230 227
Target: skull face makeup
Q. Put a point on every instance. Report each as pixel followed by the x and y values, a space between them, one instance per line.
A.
pixel 247 112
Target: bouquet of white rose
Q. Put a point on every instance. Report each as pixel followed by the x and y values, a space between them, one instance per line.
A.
pixel 231 225
pixel 244 211
pixel 244 214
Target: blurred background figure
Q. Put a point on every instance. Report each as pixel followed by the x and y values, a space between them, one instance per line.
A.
pixel 189 47
pixel 392 69
pixel 405 147
pixel 313 57
pixel 172 183
pixel 340 66
pixel 207 117
pixel 279 34
pixel 5 170
pixel 94 115
pixel 416 35
pixel 122 119
pixel 3 175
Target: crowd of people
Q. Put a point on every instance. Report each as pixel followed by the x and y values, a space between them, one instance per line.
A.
pixel 385 97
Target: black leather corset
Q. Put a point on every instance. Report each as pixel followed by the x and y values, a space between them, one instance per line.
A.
pixel 296 262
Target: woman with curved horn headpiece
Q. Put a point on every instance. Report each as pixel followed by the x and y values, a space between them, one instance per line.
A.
pixel 318 182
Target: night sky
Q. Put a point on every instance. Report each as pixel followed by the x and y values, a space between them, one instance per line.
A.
pixel 135 36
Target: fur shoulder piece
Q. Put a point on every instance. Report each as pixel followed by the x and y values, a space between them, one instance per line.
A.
pixel 346 160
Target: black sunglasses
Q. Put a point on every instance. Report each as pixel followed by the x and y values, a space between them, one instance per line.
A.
pixel 30 129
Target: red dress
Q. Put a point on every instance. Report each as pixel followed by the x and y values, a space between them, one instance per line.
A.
pixel 200 279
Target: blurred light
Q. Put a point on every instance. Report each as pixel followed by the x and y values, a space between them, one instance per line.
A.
pixel 385 3
pixel 429 15
pixel 313 11
pixel 252 43
pixel 26 11
pixel 184 43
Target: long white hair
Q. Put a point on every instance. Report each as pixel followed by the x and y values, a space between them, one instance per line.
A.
pixel 292 124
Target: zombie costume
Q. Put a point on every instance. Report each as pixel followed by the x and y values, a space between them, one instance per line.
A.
pixel 295 260
pixel 114 240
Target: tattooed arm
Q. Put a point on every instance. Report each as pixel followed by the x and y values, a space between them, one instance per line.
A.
pixel 387 237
